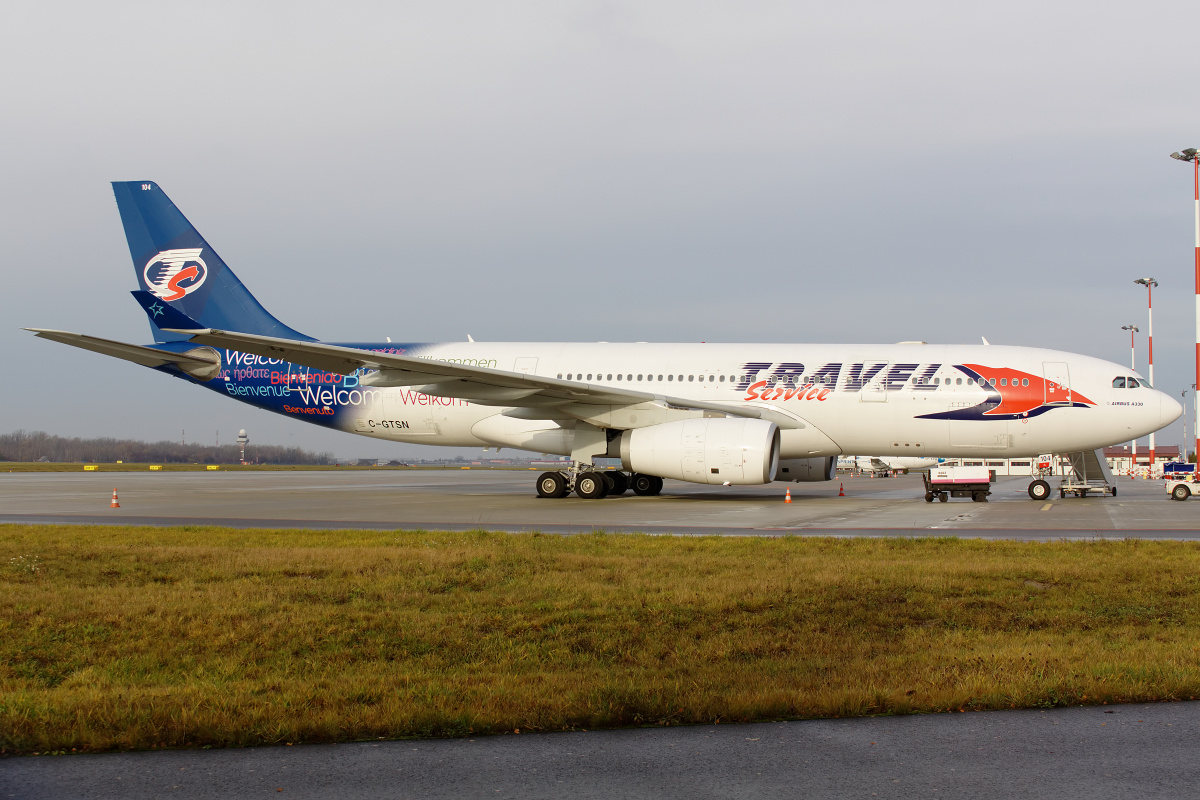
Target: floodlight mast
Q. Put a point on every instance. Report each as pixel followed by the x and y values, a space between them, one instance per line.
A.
pixel 1133 366
pixel 1191 155
pixel 1150 283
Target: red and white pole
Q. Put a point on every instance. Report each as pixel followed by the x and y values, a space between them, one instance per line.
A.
pixel 1191 155
pixel 1150 349
pixel 1196 174
pixel 1133 329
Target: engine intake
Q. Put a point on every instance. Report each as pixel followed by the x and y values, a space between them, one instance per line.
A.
pixel 715 451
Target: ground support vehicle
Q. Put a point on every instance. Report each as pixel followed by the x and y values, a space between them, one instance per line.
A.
pixel 1089 474
pixel 1182 488
pixel 946 482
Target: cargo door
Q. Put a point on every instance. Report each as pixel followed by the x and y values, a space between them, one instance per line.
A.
pixel 1058 383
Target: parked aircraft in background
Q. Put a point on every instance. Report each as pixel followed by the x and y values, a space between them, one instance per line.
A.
pixel 706 413
pixel 887 463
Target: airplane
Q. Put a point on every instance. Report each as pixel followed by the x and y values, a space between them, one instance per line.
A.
pixel 719 414
pixel 887 463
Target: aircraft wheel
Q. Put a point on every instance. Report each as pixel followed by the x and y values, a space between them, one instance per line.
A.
pixel 591 485
pixel 1180 493
pixel 658 484
pixel 620 483
pixel 1039 490
pixel 929 497
pixel 552 484
pixel 645 485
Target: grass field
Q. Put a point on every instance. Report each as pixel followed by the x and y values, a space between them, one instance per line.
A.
pixel 115 638
pixel 41 466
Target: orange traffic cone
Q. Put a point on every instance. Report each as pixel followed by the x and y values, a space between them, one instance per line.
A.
pixel 841 490
pixel 787 497
pixel 114 503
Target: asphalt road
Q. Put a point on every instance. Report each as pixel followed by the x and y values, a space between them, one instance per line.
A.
pixel 505 500
pixel 1134 751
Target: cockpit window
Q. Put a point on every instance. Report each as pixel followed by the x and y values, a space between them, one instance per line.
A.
pixel 1118 383
pixel 1132 383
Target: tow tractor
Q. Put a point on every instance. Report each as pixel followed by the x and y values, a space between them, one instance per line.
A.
pixel 1183 486
pixel 946 482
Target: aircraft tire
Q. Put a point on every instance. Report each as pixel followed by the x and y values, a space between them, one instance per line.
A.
pixel 620 483
pixel 644 485
pixel 591 485
pixel 1039 490
pixel 552 484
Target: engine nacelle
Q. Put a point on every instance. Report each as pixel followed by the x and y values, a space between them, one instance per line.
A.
pixel 715 450
pixel 802 470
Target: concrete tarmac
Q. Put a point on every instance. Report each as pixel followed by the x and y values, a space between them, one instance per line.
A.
pixel 1099 752
pixel 505 500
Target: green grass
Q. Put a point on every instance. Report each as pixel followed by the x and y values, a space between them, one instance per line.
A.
pixel 116 638
pixel 41 466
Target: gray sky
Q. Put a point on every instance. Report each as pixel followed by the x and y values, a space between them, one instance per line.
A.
pixel 862 172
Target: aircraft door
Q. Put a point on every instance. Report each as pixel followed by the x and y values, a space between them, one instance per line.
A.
pixel 1058 383
pixel 526 364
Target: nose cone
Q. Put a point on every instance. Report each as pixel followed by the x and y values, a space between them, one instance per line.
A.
pixel 1169 409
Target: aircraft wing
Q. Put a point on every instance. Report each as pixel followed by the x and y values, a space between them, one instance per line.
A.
pixel 480 385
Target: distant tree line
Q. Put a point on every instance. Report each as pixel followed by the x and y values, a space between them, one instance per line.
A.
pixel 40 446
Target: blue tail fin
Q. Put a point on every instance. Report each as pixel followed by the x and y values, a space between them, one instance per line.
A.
pixel 176 265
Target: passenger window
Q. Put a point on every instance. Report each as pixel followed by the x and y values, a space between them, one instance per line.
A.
pixel 560 376
pixel 619 376
pixel 691 378
pixel 630 377
pixel 568 376
pixel 670 377
pixel 1118 383
pixel 1004 381
pixel 609 376
pixel 589 377
pixel 992 381
pixel 722 379
pixel 959 381
pixel 1024 381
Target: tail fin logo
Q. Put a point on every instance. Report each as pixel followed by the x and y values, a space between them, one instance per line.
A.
pixel 173 274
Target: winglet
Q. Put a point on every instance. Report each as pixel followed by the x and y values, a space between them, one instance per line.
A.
pixel 164 316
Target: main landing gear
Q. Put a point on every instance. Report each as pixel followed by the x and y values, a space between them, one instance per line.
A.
pixel 592 484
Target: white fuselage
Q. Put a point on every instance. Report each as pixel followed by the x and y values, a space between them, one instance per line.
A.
pixel 892 400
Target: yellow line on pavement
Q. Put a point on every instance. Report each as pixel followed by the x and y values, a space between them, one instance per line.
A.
pixel 1048 506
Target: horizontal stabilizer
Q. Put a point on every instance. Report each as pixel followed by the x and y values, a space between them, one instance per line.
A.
pixel 202 363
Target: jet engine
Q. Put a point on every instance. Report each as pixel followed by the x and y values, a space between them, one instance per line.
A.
pixel 710 450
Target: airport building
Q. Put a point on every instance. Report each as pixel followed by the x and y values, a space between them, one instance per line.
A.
pixel 1119 461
